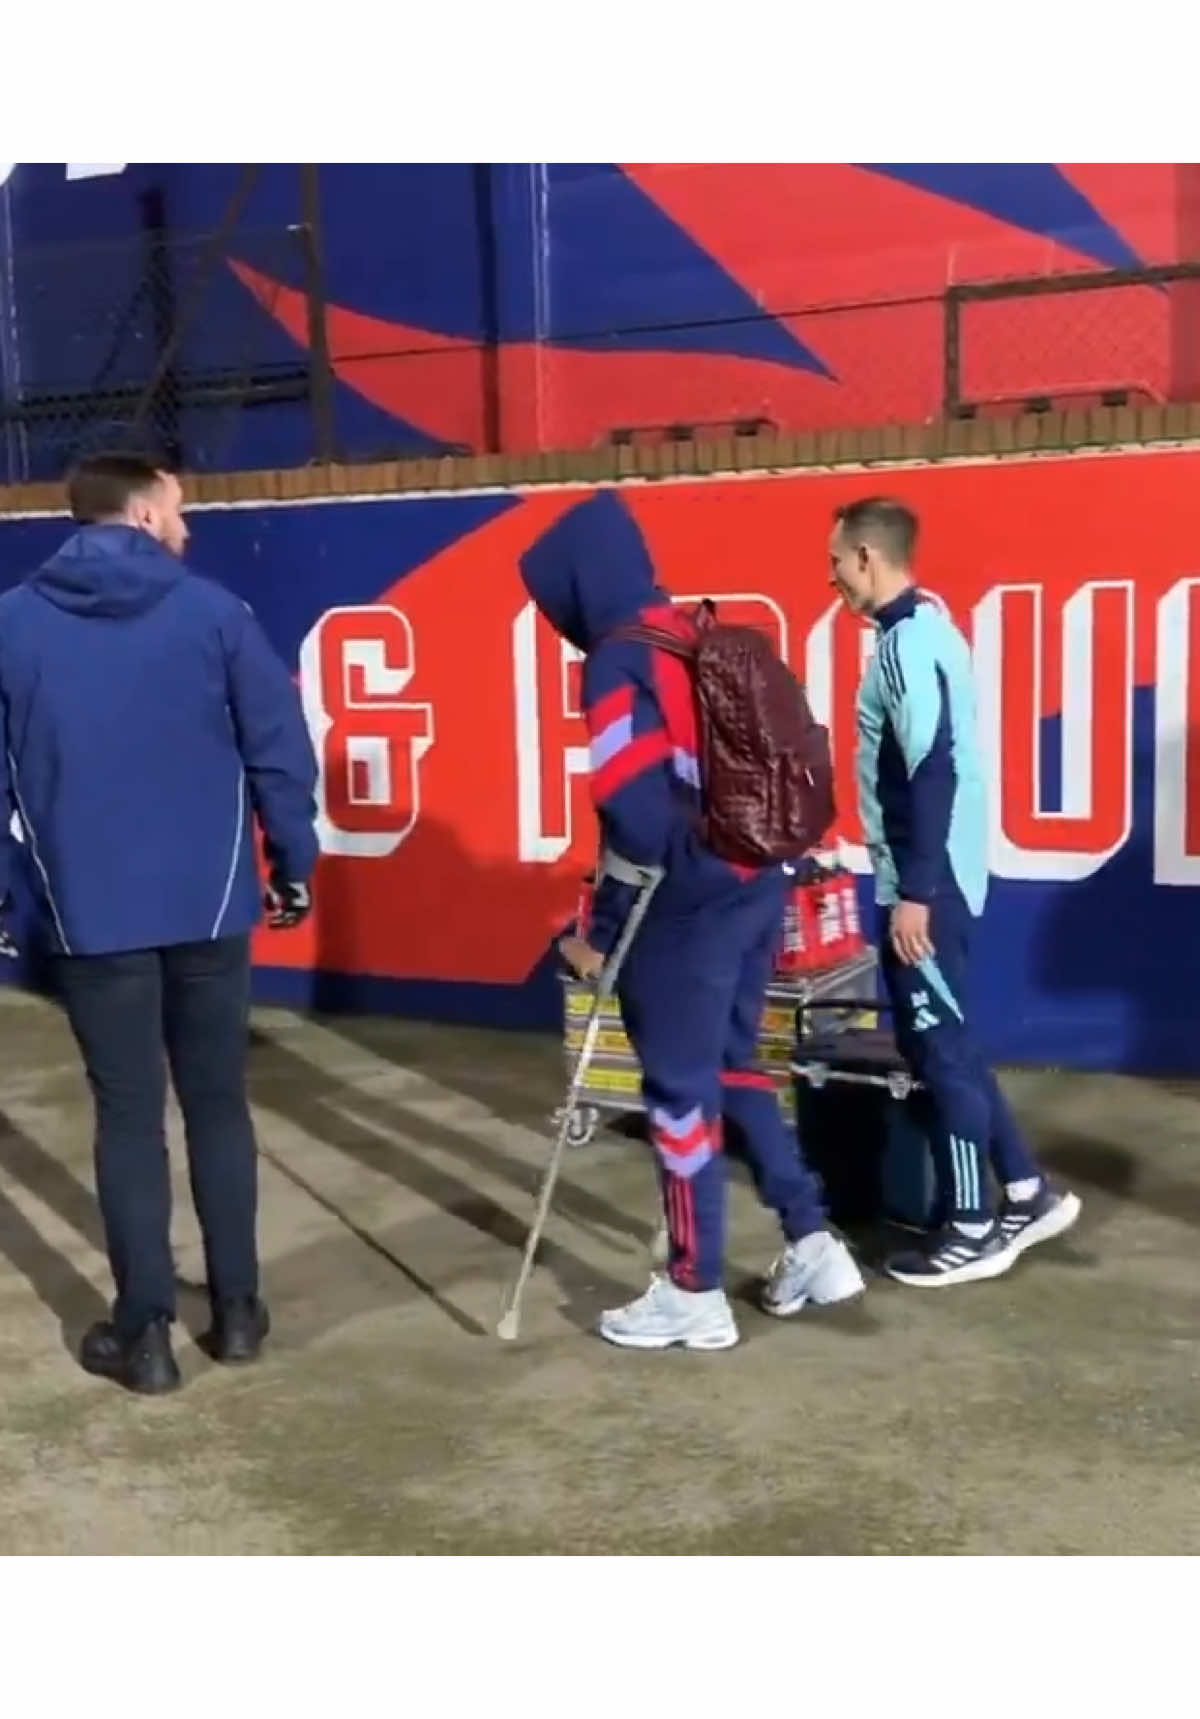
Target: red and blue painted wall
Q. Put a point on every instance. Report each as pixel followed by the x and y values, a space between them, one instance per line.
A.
pixel 445 875
pixel 521 306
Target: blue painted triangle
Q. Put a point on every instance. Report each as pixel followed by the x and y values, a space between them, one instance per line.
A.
pixel 616 269
pixel 1035 196
pixel 572 254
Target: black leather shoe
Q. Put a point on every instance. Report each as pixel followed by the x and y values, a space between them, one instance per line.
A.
pixel 143 1363
pixel 237 1330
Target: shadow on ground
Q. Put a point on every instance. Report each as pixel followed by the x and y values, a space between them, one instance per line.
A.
pixel 1052 1411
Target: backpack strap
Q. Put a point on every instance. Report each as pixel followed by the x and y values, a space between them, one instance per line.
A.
pixel 703 616
pixel 637 632
pixel 658 637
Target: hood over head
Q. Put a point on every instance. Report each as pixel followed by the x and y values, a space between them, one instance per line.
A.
pixel 591 571
pixel 109 572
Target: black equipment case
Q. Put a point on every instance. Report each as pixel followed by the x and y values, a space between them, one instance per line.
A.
pixel 863 1122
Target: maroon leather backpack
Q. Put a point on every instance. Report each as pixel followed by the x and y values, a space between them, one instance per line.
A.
pixel 766 773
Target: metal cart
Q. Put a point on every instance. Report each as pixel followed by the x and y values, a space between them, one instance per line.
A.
pixel 613 1081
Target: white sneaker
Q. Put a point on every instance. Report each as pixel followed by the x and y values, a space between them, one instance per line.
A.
pixel 819 1268
pixel 667 1315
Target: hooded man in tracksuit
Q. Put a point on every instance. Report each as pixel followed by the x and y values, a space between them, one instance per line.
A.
pixel 693 985
pixel 146 724
pixel 923 802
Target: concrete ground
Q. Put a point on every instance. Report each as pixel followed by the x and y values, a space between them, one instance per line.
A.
pixel 1054 1411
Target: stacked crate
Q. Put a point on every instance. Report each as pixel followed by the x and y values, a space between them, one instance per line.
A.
pixel 613 1080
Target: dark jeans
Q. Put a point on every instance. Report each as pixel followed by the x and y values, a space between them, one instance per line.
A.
pixel 133 1014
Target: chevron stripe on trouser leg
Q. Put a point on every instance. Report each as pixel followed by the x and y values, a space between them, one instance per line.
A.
pixel 692 993
pixel 692 1174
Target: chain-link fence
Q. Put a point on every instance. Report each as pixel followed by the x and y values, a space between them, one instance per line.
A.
pixel 153 343
pixel 1001 347
pixel 220 353
pixel 998 347
pixel 1111 337
pixel 848 364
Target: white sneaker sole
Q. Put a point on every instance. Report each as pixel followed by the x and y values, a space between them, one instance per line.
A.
pixel 995 1265
pixel 700 1340
pixel 1056 1222
pixel 786 1309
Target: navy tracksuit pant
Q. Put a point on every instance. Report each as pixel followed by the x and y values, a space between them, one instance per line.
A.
pixel 973 1125
pixel 692 991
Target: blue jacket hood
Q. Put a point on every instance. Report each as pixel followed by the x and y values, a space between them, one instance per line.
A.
pixel 109 572
pixel 141 749
pixel 591 571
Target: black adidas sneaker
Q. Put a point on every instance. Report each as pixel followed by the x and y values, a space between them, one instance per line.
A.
pixel 954 1257
pixel 1024 1223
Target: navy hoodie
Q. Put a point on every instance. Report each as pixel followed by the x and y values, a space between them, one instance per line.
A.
pixel 145 721
pixel 590 574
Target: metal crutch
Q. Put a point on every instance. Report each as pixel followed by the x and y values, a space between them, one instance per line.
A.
pixel 646 880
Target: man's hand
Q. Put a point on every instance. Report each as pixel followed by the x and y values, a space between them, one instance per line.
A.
pixel 8 946
pixel 583 960
pixel 908 929
pixel 287 904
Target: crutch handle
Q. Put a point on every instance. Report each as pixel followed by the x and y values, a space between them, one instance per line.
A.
pixel 648 880
pixel 616 866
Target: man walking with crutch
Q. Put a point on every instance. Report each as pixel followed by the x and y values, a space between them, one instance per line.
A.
pixel 146 724
pixel 693 983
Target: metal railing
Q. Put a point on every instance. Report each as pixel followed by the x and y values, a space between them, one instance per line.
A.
pixel 1102 334
pixel 219 352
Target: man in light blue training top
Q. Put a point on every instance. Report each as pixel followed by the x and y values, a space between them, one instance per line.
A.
pixel 923 803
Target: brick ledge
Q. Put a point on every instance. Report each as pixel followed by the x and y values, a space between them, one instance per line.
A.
pixel 1072 431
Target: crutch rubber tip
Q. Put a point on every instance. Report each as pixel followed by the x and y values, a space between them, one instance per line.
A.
pixel 509 1328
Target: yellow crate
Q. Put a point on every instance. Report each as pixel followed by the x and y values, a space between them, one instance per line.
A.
pixel 610 1041
pixel 778 1021
pixel 776 1039
pixel 578 1005
pixel 777 1033
pixel 614 1078
pixel 606 1081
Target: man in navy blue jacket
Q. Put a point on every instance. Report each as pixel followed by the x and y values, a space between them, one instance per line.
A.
pixel 694 982
pixel 146 723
